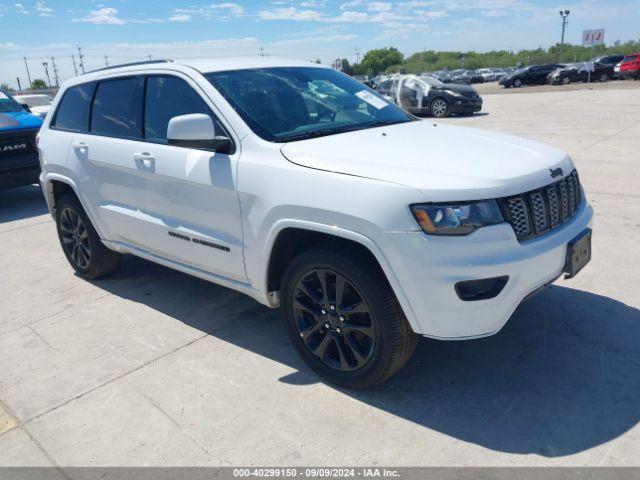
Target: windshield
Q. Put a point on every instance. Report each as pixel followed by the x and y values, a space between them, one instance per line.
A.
pixel 629 58
pixel 293 103
pixel 8 104
pixel 429 80
pixel 36 101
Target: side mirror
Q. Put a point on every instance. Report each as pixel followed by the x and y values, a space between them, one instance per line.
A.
pixel 26 107
pixel 196 130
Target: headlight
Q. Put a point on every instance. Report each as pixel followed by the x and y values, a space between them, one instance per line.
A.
pixel 454 93
pixel 457 219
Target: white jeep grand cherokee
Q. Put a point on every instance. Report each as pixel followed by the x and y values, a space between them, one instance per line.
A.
pixel 299 186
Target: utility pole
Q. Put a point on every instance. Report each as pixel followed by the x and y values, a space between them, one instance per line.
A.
pixel 28 74
pixel 55 71
pixel 19 86
pixel 357 56
pixel 262 54
pixel 81 57
pixel 46 70
pixel 75 69
pixel 149 57
pixel 106 61
pixel 564 14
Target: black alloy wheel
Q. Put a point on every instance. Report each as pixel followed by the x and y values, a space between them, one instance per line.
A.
pixel 80 242
pixel 333 319
pixel 75 239
pixel 343 317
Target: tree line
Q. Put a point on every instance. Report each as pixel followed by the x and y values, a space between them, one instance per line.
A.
pixel 391 60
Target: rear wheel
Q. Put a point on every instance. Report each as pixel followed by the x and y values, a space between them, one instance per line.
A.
pixel 603 77
pixel 566 80
pixel 80 242
pixel 440 107
pixel 344 319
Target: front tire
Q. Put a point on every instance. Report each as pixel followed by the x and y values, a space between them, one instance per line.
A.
pixel 80 242
pixel 344 319
pixel 440 107
pixel 517 83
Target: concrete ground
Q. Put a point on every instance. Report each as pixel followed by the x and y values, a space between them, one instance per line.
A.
pixel 152 367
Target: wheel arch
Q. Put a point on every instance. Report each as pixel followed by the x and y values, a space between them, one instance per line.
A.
pixel 289 238
pixel 56 186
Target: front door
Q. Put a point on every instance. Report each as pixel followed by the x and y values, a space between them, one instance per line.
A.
pixel 190 206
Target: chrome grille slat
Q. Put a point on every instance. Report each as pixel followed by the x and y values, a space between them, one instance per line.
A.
pixel 533 213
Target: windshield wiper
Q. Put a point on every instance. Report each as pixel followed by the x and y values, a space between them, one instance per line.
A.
pixel 349 128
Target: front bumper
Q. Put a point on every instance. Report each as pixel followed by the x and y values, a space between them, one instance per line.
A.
pixel 466 105
pixel 427 268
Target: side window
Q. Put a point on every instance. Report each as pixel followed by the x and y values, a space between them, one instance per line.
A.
pixel 73 112
pixel 167 97
pixel 116 108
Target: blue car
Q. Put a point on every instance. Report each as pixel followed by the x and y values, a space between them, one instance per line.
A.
pixel 19 163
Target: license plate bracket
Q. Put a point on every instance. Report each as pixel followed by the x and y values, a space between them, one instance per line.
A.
pixel 578 253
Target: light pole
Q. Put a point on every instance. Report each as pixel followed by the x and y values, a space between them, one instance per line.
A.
pixel 564 14
pixel 46 70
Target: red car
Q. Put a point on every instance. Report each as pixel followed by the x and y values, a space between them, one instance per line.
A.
pixel 630 66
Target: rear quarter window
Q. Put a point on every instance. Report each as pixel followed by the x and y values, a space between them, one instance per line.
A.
pixel 73 111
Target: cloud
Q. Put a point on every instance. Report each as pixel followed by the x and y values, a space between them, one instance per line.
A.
pixel 379 6
pixel 220 11
pixel 102 16
pixel 290 13
pixel 43 10
pixel 109 16
pixel 180 17
pixel 20 8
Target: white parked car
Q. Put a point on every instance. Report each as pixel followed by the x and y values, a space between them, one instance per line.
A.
pixel 299 186
pixel 38 104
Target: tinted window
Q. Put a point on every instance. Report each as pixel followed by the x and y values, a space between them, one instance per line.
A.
pixel 116 108
pixel 73 112
pixel 167 97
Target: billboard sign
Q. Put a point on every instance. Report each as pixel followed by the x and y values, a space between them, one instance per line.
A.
pixel 591 38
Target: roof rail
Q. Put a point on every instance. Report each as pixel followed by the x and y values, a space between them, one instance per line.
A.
pixel 132 64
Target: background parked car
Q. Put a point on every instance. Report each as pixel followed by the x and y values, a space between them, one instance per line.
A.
pixel 38 104
pixel 426 95
pixel 565 75
pixel 533 75
pixel 630 66
pixel 19 163
pixel 466 77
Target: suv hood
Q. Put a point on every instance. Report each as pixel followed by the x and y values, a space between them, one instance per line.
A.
pixel 18 120
pixel 443 162
pixel 457 87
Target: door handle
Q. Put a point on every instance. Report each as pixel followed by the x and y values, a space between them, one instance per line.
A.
pixel 145 158
pixel 79 145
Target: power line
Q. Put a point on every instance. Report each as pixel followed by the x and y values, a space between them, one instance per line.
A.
pixel 28 74
pixel 80 56
pixel 46 70
pixel 75 68
pixel 55 71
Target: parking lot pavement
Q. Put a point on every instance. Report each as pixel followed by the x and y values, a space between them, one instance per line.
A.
pixel 152 367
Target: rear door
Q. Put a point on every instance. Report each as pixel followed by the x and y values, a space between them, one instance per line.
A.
pixel 190 204
pixel 108 159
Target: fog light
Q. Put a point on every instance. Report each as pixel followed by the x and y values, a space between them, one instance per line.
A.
pixel 483 289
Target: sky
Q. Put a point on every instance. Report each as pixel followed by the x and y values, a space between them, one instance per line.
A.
pixel 130 30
